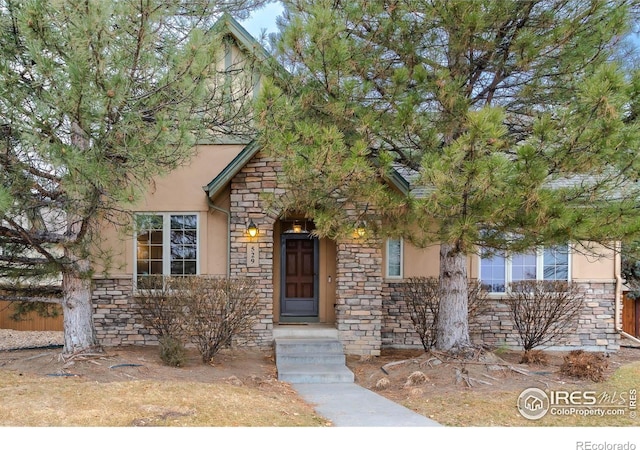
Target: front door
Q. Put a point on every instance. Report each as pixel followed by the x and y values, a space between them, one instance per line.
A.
pixel 299 292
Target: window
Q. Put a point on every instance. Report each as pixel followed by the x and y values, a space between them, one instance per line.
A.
pixel 166 244
pixel 499 269
pixel 394 258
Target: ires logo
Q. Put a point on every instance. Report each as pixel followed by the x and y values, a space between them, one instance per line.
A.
pixel 534 403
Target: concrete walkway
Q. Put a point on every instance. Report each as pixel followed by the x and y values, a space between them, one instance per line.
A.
pixel 350 405
pixel 312 361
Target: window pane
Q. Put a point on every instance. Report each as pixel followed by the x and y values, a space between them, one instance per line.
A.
pixel 492 272
pixel 523 267
pixel 394 257
pixel 152 255
pixel 183 252
pixel 556 263
pixel 190 268
pixel 149 245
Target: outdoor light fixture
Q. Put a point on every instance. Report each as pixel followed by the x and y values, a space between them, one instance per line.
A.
pixel 296 227
pixel 252 229
pixel 361 229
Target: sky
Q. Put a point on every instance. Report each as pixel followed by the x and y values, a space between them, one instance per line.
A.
pixel 264 18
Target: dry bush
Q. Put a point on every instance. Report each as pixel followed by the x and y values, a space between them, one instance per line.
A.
pixel 477 303
pixel 422 296
pixel 543 311
pixel 160 307
pixel 216 310
pixel 537 357
pixel 585 365
pixel 208 311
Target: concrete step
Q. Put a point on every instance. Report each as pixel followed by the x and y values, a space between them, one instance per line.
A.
pixel 304 331
pixel 311 360
pixel 315 373
pixel 308 345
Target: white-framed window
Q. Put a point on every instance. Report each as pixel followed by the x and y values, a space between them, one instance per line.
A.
pixel 395 250
pixel 498 269
pixel 166 244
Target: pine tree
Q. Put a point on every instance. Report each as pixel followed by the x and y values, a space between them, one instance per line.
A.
pixel 522 128
pixel 97 97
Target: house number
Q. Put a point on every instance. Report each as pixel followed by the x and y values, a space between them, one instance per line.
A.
pixel 253 255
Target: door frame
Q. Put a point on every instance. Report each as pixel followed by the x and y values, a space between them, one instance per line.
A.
pixel 284 237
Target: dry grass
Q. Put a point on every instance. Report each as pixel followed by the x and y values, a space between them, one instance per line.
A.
pixel 476 408
pixel 73 402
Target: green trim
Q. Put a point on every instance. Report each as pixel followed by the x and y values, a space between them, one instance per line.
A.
pixel 399 182
pixel 216 185
pixel 227 24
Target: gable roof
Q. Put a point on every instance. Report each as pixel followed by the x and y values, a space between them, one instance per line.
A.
pixel 216 185
pixel 229 26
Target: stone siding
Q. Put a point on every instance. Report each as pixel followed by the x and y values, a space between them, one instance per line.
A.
pixel 116 317
pixel 494 327
pixel 247 187
pixel 398 330
pixel 359 296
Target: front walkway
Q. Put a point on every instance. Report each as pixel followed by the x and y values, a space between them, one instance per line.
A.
pixel 350 405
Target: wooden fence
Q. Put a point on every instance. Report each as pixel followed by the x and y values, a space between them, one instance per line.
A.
pixel 31 322
pixel 631 316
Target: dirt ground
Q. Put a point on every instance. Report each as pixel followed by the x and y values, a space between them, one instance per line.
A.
pixel 391 374
pixel 398 375
pixel 142 363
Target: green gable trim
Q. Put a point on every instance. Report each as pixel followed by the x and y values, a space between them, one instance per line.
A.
pixel 399 182
pixel 228 25
pixel 218 183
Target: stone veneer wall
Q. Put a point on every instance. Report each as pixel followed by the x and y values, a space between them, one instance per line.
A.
pixel 255 178
pixel 359 296
pixel 116 318
pixel 397 327
pixel 494 327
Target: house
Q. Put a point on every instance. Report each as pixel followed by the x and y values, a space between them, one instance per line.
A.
pixel 209 218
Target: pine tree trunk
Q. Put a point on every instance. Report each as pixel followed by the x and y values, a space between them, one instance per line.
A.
pixel 452 332
pixel 77 309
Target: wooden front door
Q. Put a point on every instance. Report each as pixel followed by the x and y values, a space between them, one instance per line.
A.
pixel 299 291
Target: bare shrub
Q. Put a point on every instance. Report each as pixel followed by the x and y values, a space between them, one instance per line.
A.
pixel 477 299
pixel 422 296
pixel 162 310
pixel 584 365
pixel 216 310
pixel 160 307
pixel 543 311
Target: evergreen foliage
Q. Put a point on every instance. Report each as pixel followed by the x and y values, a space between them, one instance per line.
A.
pixel 96 99
pixel 513 117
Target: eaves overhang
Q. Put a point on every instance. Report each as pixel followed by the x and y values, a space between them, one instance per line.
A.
pixel 215 186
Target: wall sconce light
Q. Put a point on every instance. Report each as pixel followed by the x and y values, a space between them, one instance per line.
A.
pixel 252 229
pixel 296 227
pixel 361 229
